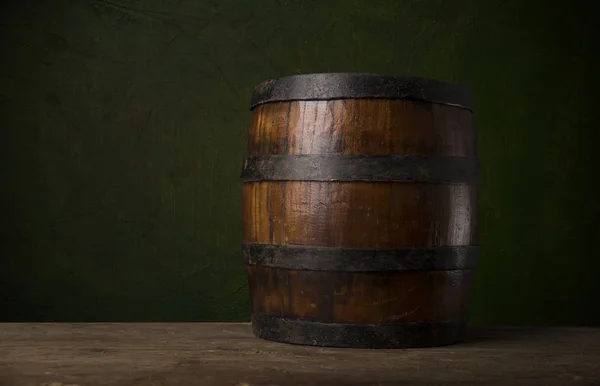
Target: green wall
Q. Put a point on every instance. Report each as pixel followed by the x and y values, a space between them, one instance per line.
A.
pixel 123 128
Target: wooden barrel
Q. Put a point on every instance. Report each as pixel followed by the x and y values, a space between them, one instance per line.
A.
pixel 359 210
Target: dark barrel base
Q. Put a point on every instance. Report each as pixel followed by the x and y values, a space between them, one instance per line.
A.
pixel 408 335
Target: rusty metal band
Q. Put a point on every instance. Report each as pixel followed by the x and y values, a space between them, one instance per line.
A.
pixel 312 258
pixel 405 335
pixel 329 86
pixel 337 167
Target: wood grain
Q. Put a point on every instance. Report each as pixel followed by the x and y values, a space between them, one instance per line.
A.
pixel 372 298
pixel 361 126
pixel 187 354
pixel 360 214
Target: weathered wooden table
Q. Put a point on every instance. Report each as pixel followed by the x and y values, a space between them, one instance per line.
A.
pixel 228 354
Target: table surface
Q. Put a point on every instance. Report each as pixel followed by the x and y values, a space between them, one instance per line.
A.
pixel 214 354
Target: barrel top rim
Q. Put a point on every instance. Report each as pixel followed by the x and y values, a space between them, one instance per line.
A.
pixel 358 85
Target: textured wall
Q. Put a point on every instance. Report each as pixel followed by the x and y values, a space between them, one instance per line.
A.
pixel 123 127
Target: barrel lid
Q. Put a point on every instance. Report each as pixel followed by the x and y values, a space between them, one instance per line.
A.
pixel 327 86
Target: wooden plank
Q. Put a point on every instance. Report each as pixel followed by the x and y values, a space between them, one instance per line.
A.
pixel 228 354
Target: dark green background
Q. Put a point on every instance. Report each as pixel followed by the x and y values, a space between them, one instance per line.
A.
pixel 124 127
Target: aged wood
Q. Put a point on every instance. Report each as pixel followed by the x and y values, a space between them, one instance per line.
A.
pixel 228 355
pixel 359 214
pixel 372 298
pixel 384 173
pixel 362 126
